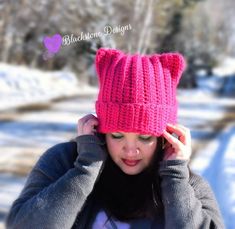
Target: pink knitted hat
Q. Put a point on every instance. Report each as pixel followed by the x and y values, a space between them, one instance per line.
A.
pixel 137 93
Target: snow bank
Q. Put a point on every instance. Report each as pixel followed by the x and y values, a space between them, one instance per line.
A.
pixel 227 67
pixel 20 85
pixel 216 164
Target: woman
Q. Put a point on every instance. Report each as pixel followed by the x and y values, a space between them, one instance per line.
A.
pixel 128 167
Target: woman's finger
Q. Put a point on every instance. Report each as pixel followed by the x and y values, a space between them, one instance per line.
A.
pixel 180 147
pixel 175 129
pixel 90 124
pixel 87 117
pixel 87 124
pixel 182 132
pixel 172 140
pixel 186 138
pixel 166 145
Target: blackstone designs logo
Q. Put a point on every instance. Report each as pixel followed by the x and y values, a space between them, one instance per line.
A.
pixel 108 30
pixel 54 43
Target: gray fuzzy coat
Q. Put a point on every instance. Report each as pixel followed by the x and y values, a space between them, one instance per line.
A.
pixel 58 192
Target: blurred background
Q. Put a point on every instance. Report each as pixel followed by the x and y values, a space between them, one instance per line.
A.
pixel 43 94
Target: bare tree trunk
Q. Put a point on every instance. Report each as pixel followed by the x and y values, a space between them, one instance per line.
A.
pixel 142 24
pixel 6 40
pixel 146 32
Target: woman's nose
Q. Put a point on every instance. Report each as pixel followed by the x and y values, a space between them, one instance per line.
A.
pixel 131 150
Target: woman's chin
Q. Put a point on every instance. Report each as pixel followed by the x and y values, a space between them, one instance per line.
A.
pixel 131 170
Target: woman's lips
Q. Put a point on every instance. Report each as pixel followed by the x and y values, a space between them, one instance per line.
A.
pixel 131 162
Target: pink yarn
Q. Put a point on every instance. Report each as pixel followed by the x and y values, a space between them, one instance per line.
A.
pixel 137 93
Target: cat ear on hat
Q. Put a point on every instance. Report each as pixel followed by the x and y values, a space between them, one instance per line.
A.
pixel 102 60
pixel 176 64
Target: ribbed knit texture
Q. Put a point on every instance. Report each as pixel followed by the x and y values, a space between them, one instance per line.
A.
pixel 137 93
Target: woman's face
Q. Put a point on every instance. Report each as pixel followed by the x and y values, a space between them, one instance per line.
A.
pixel 132 152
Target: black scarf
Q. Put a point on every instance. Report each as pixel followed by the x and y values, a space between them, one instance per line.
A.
pixel 124 196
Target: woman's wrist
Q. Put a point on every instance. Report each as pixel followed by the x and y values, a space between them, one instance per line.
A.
pixel 174 169
pixel 89 138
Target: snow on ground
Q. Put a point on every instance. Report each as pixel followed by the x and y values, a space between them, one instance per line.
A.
pixel 20 85
pixel 212 119
pixel 227 67
pixel 216 163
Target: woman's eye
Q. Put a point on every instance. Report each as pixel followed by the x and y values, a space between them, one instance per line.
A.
pixel 145 138
pixel 116 136
pixel 142 138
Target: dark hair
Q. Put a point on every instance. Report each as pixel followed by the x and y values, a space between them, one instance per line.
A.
pixel 127 197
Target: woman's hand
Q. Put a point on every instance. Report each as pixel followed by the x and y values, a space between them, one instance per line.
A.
pixel 87 125
pixel 177 148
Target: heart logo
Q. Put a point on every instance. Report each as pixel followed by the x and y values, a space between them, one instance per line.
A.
pixel 53 43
